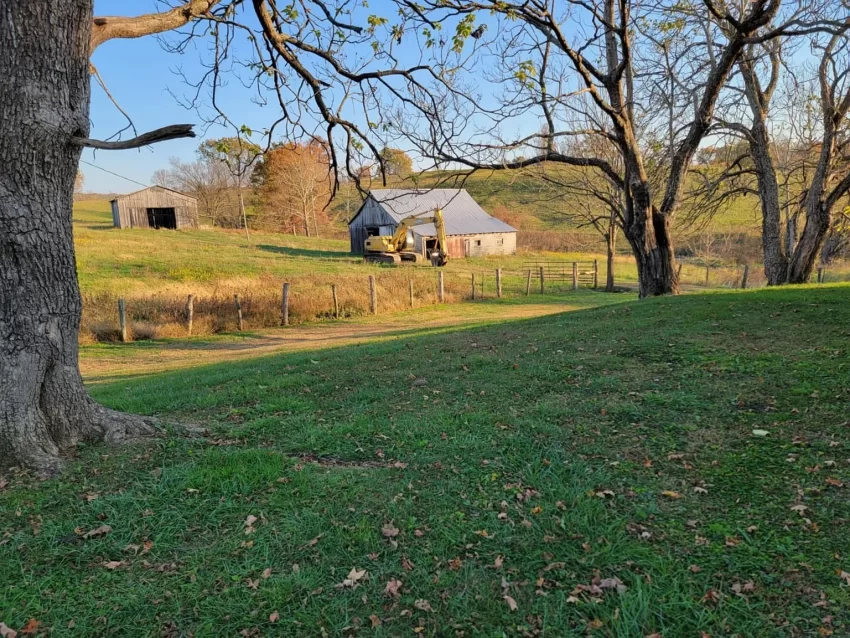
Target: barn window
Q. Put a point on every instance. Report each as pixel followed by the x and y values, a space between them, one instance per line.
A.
pixel 500 241
pixel 477 242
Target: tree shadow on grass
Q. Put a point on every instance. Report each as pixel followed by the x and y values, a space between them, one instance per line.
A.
pixel 307 252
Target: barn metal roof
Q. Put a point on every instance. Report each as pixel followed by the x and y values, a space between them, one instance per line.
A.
pixel 462 214
pixel 154 187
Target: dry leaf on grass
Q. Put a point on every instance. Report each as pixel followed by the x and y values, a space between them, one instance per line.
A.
pixel 498 562
pixel 511 602
pixel 6 631
pixel 31 628
pixel 389 530
pixel 113 564
pixel 274 617
pixel 353 577
pixel 393 588
pixel 375 620
pixel 423 604
pixel 103 530
pixel 671 494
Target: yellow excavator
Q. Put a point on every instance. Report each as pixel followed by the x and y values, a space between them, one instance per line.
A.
pixel 386 249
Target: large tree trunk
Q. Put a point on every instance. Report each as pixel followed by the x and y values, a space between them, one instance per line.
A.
pixel 775 258
pixel 44 408
pixel 648 233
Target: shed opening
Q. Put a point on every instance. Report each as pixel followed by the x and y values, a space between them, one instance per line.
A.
pixel 162 218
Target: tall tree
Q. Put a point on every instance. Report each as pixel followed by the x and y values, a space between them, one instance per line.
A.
pixel 612 63
pixel 820 148
pixel 210 182
pixel 295 185
pixel 45 49
pixel 239 155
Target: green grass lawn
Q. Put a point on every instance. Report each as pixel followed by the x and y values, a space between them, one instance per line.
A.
pixel 593 472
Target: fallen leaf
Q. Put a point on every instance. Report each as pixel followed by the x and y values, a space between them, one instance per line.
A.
pixel 6 631
pixel 103 530
pixel 800 508
pixel 424 605
pixel 31 627
pixel 274 617
pixel 312 542
pixel 732 541
pixel 760 432
pixel 407 564
pixel 113 564
pixel 671 494
pixel 389 530
pixel 498 562
pixel 511 602
pixel 695 569
pixel 267 572
pixel 353 576
pixel 393 587
pixel 375 620
pixel 455 564
pixel 249 523
pixel 700 490
pixel 711 597
pixel 845 576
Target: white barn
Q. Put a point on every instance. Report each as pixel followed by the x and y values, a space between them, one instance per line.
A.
pixel 471 232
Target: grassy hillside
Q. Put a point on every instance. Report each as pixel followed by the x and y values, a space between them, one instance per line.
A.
pixel 537 206
pixel 600 472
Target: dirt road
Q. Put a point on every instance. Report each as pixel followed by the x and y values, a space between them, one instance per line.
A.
pixel 105 362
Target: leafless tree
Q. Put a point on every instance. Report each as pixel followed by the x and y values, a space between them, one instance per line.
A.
pixel 797 139
pixel 559 60
pixel 209 182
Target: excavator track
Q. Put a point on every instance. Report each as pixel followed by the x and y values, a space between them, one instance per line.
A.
pixel 382 258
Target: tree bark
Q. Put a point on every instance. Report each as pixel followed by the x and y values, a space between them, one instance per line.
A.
pixel 775 258
pixel 44 408
pixel 648 232
pixel 611 242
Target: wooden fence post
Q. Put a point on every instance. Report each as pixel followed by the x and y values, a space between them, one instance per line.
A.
pixel 410 290
pixel 528 283
pixel 373 296
pixel 284 306
pixel 238 312
pixel 707 273
pixel 595 273
pixel 679 272
pixel 473 286
pixel 575 275
pixel 820 274
pixel 542 278
pixel 190 313
pixel 336 302
pixel 744 278
pixel 122 319
pixel 441 291
pixel 499 283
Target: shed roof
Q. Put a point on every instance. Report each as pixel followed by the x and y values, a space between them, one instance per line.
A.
pixel 462 214
pixel 155 186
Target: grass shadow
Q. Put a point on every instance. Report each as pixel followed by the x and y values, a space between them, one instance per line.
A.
pixel 307 252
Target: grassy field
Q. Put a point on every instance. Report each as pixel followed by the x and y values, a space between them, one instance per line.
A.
pixel 598 472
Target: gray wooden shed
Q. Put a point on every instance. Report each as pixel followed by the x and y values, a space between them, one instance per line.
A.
pixel 155 207
pixel 470 231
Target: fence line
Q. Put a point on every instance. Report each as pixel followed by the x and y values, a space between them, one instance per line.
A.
pixel 193 314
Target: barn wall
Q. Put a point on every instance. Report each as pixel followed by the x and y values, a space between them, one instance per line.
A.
pixel 131 211
pixel 370 216
pixel 468 245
